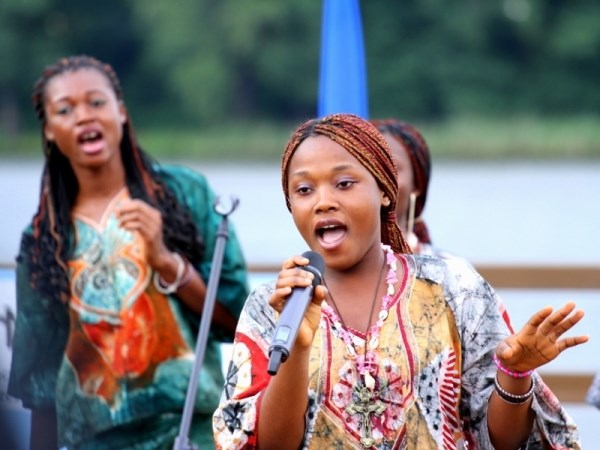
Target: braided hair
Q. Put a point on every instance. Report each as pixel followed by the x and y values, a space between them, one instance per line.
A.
pixel 362 140
pixel 47 250
pixel 413 142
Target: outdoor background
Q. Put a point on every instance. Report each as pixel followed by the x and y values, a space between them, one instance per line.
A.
pixel 229 78
pixel 505 92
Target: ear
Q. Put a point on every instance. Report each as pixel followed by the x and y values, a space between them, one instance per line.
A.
pixel 122 113
pixel 48 133
pixel 385 200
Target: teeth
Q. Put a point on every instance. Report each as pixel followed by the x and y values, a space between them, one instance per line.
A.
pixel 89 135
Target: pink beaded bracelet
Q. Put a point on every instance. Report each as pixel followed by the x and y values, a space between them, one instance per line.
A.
pixel 511 373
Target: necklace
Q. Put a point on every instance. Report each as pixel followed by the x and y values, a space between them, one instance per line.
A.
pixel 365 399
pixel 366 363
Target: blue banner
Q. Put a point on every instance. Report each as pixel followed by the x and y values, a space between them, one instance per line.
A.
pixel 342 75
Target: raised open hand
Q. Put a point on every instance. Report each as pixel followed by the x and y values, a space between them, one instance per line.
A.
pixel 539 341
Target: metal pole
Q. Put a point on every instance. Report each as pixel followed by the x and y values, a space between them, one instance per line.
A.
pixel 182 441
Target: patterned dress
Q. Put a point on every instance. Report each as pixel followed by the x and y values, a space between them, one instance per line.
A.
pixel 116 362
pixel 434 378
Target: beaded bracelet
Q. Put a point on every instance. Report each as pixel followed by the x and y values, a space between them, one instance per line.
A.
pixel 509 372
pixel 513 399
pixel 170 288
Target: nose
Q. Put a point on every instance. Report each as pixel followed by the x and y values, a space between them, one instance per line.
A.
pixel 83 113
pixel 326 199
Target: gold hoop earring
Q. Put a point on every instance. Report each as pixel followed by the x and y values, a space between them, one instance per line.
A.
pixel 411 238
pixel 412 205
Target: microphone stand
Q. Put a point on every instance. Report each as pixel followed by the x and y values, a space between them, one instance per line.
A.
pixel 182 440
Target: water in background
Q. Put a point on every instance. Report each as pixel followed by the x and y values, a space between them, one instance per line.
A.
pixel 492 212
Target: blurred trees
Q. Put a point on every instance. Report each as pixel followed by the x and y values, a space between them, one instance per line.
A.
pixel 199 62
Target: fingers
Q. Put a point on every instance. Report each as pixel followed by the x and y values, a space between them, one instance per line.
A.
pixel 137 215
pixel 135 211
pixel 556 324
pixel 569 342
pixel 320 294
pixel 538 318
pixel 291 275
pixel 294 261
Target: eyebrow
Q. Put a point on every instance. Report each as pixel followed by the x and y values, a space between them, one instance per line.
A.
pixel 339 168
pixel 67 97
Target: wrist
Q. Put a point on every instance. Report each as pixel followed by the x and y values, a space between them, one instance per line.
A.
pixel 169 287
pixel 510 372
pixel 165 263
pixel 508 395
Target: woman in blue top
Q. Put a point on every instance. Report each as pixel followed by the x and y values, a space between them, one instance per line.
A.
pixel 111 278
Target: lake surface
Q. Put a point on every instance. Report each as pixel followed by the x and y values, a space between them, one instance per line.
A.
pixel 504 212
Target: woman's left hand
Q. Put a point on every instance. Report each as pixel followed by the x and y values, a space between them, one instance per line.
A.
pixel 539 341
pixel 137 215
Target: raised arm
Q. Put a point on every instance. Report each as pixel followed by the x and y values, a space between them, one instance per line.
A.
pixel 517 356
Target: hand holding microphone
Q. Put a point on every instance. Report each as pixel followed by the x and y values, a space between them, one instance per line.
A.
pixel 293 313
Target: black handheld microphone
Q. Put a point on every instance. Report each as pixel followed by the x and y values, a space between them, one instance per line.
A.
pixel 293 313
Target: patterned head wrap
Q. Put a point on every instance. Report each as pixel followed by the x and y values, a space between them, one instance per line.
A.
pixel 420 160
pixel 362 140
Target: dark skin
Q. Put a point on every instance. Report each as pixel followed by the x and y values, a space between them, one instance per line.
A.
pixel 76 104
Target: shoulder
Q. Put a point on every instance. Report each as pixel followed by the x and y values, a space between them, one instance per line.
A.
pixel 261 293
pixel 174 174
pixel 27 240
pixel 430 250
pixel 191 188
pixel 470 297
pixel 257 308
pixel 454 274
pixel 27 231
pixel 437 269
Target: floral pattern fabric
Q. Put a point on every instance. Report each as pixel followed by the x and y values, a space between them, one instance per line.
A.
pixel 433 382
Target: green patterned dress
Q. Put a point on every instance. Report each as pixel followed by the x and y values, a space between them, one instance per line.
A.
pixel 116 362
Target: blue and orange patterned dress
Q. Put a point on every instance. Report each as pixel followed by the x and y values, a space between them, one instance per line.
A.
pixel 116 362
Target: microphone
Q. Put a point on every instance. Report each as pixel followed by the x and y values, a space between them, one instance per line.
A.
pixel 293 313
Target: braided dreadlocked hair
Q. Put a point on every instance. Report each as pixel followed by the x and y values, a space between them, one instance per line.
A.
pixel 420 160
pixel 47 250
pixel 362 140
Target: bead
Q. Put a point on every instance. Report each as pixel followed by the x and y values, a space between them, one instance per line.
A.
pixel 507 371
pixel 373 343
pixel 369 381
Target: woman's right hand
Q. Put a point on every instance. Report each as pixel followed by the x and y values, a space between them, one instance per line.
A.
pixel 292 275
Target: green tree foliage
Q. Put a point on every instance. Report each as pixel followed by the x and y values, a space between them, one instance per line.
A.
pixel 34 33
pixel 436 59
pixel 205 62
pixel 228 59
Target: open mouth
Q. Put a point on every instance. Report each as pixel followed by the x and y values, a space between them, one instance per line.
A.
pixel 330 234
pixel 91 141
